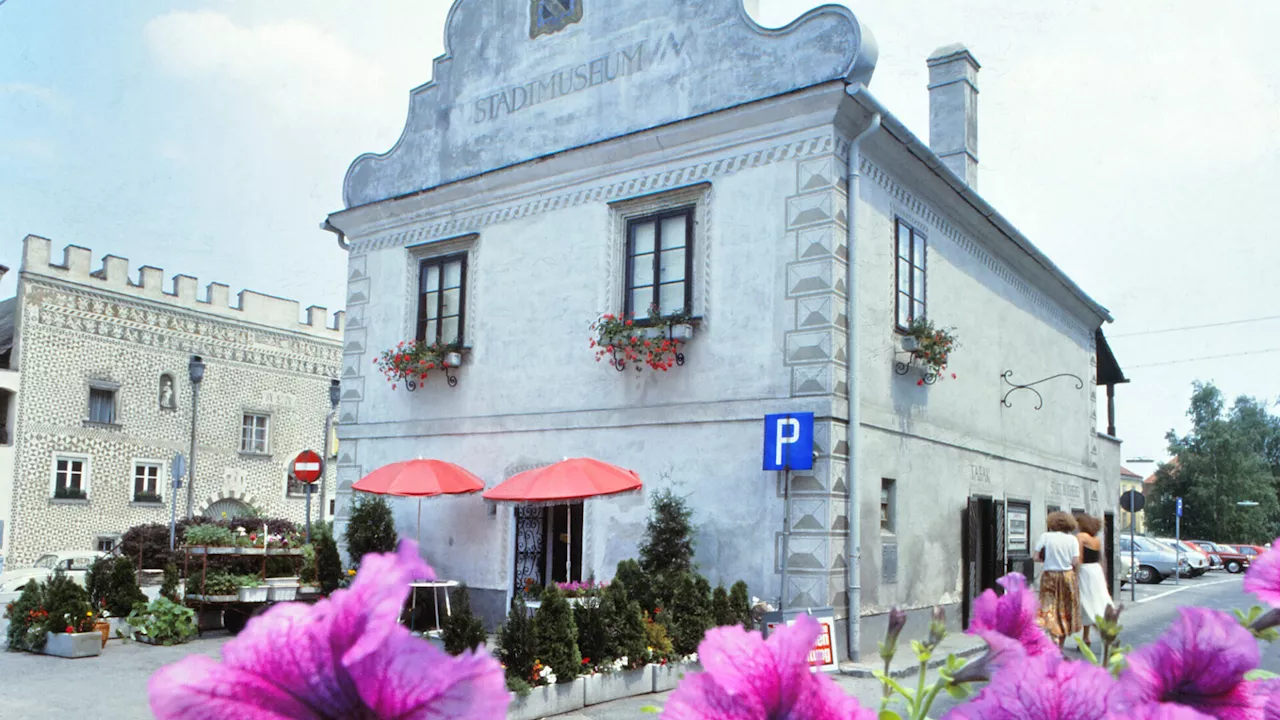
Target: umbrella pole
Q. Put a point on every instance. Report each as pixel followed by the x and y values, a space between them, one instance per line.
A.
pixel 568 546
pixel 419 525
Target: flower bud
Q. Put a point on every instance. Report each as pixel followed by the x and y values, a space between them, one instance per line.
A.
pixel 937 627
pixel 1269 619
pixel 897 621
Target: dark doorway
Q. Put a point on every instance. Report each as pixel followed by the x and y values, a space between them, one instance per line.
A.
pixel 531 548
pixel 983 537
pixel 566 539
pixel 1109 550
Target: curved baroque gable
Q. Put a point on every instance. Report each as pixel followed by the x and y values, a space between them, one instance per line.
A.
pixel 507 90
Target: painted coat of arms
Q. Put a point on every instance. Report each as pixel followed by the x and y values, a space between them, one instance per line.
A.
pixel 548 16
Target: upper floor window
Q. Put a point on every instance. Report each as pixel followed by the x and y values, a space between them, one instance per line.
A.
pixel 146 481
pixel 253 434
pixel 660 264
pixel 102 405
pixel 441 299
pixel 910 274
pixel 70 477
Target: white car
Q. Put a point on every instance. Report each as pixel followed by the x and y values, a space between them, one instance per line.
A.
pixel 75 563
pixel 1197 562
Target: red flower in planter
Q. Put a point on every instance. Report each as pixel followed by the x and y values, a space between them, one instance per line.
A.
pixel 70 629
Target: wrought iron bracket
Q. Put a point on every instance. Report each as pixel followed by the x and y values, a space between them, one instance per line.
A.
pixel 1014 387
pixel 902 367
pixel 450 378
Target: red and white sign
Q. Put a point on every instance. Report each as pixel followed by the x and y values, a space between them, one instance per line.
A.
pixel 307 467
pixel 823 656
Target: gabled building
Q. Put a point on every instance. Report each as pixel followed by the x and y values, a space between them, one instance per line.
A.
pixel 569 160
pixel 105 401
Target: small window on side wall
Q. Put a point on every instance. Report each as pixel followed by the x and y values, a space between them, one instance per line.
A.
pixel 909 274
pixel 442 291
pixel 659 264
pixel 888 509
pixel 102 405
pixel 253 434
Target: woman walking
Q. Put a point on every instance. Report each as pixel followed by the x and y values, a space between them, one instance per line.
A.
pixel 1094 596
pixel 1059 550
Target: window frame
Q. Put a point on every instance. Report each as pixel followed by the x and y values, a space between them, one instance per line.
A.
pixel 689 211
pixel 266 440
pixel 107 387
pixel 159 465
pixel 85 475
pixel 420 319
pixel 888 506
pixel 923 266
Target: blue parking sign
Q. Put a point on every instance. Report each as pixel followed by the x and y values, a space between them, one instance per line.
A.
pixel 788 441
pixel 1179 507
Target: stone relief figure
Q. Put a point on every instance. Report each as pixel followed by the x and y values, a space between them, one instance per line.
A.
pixel 167 400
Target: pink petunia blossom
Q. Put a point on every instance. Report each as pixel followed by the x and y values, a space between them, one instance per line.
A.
pixel 1199 662
pixel 1012 615
pixel 1270 692
pixel 344 657
pixel 1044 687
pixel 1160 711
pixel 1263 577
pixel 749 678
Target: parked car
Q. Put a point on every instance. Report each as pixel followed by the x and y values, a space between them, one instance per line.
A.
pixel 1233 560
pixel 1124 569
pixel 1155 561
pixel 1250 551
pixel 1215 562
pixel 75 563
pixel 1197 561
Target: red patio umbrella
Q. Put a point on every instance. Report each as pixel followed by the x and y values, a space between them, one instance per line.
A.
pixel 564 482
pixel 419 478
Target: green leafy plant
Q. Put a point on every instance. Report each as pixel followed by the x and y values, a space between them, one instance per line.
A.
pixel 740 603
pixel 328 562
pixel 218 583
pixel 659 642
pixel 371 529
pixel 124 590
pixel 209 536
pixel 307 575
pixel 462 630
pixel 624 625
pixel 67 605
pixel 249 581
pixel 637 583
pixel 556 635
pixel 593 635
pixel 934 346
pixel 147 497
pixel 516 645
pixel 169 589
pixel 690 613
pixel 27 617
pixel 163 622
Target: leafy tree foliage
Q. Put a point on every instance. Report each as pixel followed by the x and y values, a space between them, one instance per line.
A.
pixel 372 528
pixel 740 602
pixel 625 625
pixel 516 648
pixel 462 630
pixel 328 562
pixel 667 547
pixel 1226 458
pixel 556 635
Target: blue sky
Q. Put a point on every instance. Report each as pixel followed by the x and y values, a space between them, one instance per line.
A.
pixel 1136 143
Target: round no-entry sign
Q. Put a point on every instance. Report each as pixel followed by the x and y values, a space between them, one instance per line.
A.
pixel 308 467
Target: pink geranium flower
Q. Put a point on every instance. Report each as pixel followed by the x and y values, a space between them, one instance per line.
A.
pixel 1012 615
pixel 1263 578
pixel 748 678
pixel 345 657
pixel 1199 662
pixel 1044 687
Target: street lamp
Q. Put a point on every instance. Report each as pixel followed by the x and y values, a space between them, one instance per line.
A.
pixel 195 371
pixel 335 394
pixel 1246 503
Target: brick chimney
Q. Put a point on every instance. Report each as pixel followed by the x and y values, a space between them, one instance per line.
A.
pixel 953 110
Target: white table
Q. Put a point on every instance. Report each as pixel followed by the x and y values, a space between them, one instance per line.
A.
pixel 435 586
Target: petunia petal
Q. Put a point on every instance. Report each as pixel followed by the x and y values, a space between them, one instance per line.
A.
pixel 1044 687
pixel 410 679
pixel 1263 578
pixel 197 687
pixel 365 614
pixel 1160 711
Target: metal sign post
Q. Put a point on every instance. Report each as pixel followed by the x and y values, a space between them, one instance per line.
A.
pixel 1177 539
pixel 1132 501
pixel 307 467
pixel 177 469
pixel 788 445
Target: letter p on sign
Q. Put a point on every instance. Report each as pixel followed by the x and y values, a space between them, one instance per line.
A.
pixel 788 441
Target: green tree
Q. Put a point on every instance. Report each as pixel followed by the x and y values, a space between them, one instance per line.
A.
pixel 124 592
pixel 667 547
pixel 740 601
pixel 625 625
pixel 516 646
pixel 556 635
pixel 371 529
pixel 1222 461
pixel 169 589
pixel 638 585
pixel 689 614
pixel 721 609
pixel 593 633
pixel 462 630
pixel 328 562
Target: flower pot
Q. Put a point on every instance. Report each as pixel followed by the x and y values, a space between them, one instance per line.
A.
pixel 606 687
pixel 453 359
pixel 666 677
pixel 282 581
pixel 73 645
pixel 910 343
pixel 682 332
pixel 653 333
pixel 547 700
pixel 282 593
pixel 252 594
pixel 103 627
pixel 118 628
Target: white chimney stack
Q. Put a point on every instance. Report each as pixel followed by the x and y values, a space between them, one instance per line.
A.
pixel 953 110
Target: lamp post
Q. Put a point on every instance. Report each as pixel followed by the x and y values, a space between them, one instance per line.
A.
pixel 195 370
pixel 335 392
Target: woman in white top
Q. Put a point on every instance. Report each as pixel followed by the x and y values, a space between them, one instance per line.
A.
pixel 1059 550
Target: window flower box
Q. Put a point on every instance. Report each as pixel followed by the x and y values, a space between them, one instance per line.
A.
pixel 213 550
pixel 547 700
pixel 929 348
pixel 73 645
pixel 607 687
pixel 657 342
pixel 411 362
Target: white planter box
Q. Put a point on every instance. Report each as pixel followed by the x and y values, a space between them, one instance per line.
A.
pixel 119 628
pixel 252 594
pixel 910 344
pixel 282 593
pixel 73 645
pixel 283 582
pixel 666 677
pixel 453 359
pixel 682 332
pixel 548 700
pixel 616 686
pixel 653 333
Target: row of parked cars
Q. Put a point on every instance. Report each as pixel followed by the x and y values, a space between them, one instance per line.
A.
pixel 1155 559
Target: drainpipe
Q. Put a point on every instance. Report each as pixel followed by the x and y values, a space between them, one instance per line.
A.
pixel 853 547
pixel 329 227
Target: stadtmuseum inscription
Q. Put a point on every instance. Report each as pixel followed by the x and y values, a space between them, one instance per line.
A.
pixel 607 68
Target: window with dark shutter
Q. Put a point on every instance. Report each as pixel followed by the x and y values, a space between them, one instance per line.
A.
pixel 442 285
pixel 660 264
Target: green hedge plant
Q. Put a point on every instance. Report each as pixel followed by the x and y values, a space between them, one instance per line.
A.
pixel 556 636
pixel 462 630
pixel 371 529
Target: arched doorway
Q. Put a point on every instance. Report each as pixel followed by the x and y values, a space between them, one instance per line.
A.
pixel 228 509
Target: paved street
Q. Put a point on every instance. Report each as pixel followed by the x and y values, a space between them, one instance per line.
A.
pixel 35 686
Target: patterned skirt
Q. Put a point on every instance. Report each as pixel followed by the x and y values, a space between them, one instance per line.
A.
pixel 1059 603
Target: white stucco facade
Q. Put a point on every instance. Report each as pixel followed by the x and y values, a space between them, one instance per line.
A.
pixel 766 170
pixel 105 400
